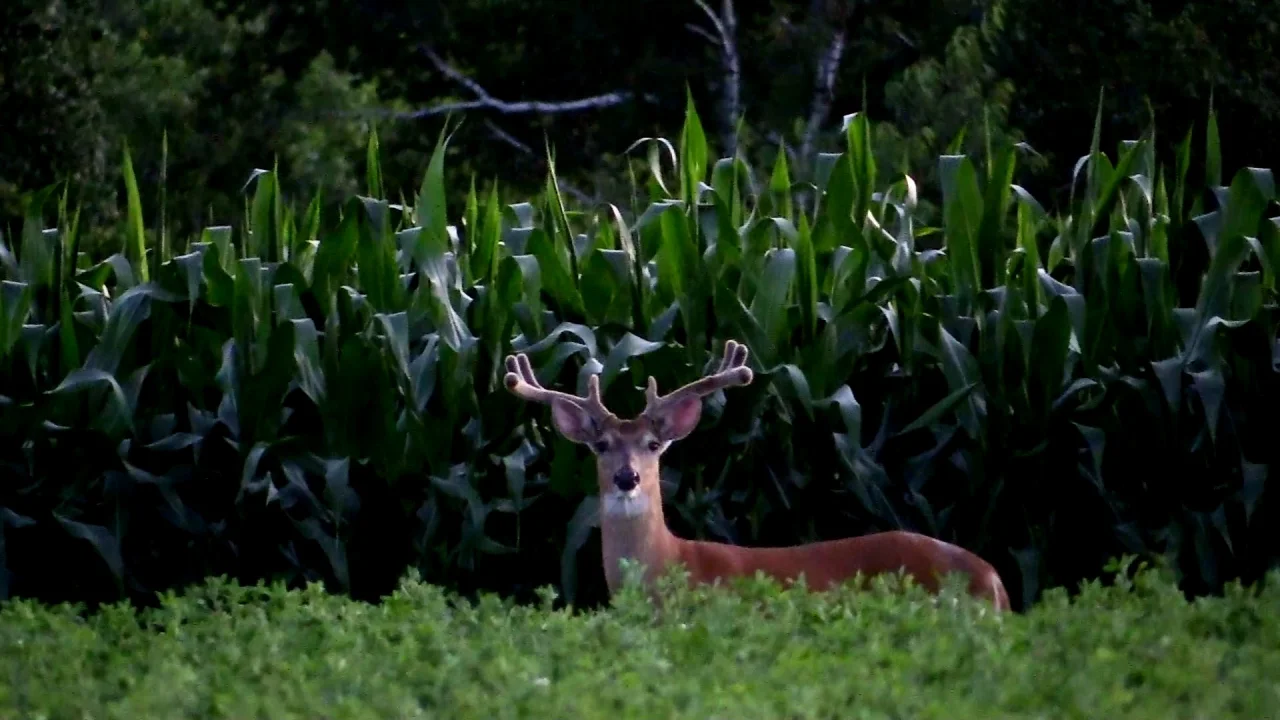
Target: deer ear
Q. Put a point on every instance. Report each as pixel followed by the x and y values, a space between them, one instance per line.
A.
pixel 677 420
pixel 573 422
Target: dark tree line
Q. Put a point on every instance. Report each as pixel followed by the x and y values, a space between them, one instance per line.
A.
pixel 237 85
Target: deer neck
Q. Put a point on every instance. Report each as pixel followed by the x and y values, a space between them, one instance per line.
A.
pixel 638 536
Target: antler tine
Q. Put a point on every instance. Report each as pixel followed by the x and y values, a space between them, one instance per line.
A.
pixel 733 372
pixel 521 382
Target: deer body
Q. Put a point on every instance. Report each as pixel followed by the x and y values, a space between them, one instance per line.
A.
pixel 633 526
pixel 823 564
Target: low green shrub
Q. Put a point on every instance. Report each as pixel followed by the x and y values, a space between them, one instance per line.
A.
pixel 1134 649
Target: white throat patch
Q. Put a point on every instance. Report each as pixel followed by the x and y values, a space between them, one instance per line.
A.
pixel 632 504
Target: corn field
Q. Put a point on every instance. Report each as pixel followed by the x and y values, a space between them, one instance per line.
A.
pixel 314 393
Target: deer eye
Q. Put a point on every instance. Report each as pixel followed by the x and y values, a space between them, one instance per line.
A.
pixel 654 446
pixel 600 446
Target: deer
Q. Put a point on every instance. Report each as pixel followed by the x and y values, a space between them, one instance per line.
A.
pixel 633 527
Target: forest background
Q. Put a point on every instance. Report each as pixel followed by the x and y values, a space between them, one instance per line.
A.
pixel 235 83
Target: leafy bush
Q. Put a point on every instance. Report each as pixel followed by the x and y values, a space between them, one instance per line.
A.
pixel 215 86
pixel 224 650
pixel 317 396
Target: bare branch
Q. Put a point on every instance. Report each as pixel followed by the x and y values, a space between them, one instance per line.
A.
pixel 594 102
pixel 507 138
pixel 823 92
pixel 711 14
pixel 486 101
pixel 456 75
pixel 702 33
pixel 726 30
pixel 823 17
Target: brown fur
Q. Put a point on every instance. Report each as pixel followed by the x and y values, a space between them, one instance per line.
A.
pixel 647 540
pixel 633 525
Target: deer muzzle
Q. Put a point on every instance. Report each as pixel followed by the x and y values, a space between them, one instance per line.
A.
pixel 626 479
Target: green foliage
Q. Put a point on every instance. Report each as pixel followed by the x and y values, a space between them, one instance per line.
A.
pixel 316 395
pixel 956 102
pixel 212 82
pixel 303 81
pixel 41 89
pixel 1059 56
pixel 222 650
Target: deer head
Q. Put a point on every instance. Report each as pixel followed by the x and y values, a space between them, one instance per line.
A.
pixel 628 451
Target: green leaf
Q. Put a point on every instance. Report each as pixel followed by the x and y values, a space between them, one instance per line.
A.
pixel 39 245
pixel 15 303
pixel 264 231
pixel 1182 166
pixel 629 347
pixel 862 163
pixel 520 281
pixel 335 255
pixel 1212 152
pixel 636 274
pixel 556 277
pixel 117 416
pixel 938 410
pixel 433 242
pixel 373 167
pixel 991 227
pixel 1251 191
pixel 68 344
pixel 104 543
pixel 960 370
pixel 807 280
pixel 693 151
pixel 680 273
pixel 585 518
pixel 559 229
pixel 1051 340
pixel 306 353
pixel 422 374
pixel 376 259
pixel 780 186
pixel 604 285
pixel 128 312
pixel 1211 387
pixel 769 306
pixel 739 320
pixel 135 239
pixel 1108 192
pixel 962 209
pixel 841 205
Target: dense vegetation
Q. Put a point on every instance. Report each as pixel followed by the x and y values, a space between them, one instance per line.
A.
pixel 224 651
pixel 310 395
pixel 238 83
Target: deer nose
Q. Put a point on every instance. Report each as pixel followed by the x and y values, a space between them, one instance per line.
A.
pixel 626 479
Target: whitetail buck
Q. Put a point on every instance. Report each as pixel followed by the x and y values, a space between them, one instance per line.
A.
pixel 631 520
